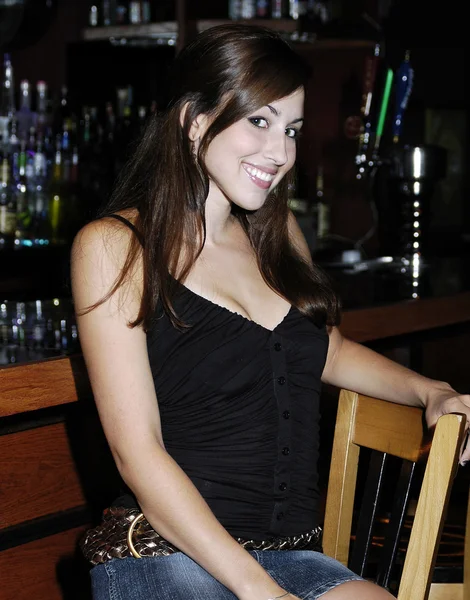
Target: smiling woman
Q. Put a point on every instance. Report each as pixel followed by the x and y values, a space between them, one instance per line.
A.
pixel 206 330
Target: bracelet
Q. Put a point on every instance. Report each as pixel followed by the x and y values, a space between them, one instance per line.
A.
pixel 278 597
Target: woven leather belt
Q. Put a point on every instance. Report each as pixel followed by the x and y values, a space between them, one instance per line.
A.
pixel 125 532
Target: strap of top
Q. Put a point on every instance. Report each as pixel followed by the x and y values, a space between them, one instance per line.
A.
pixel 130 225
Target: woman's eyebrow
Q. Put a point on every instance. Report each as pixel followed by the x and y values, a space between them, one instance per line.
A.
pixel 278 114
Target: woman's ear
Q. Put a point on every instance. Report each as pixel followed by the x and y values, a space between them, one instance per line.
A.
pixel 198 125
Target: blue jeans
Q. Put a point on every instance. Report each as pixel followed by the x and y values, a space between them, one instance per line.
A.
pixel 304 573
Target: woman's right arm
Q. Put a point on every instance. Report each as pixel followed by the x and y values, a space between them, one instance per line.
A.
pixel 118 366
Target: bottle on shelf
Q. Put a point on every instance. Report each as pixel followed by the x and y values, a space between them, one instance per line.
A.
pixel 25 116
pixel 234 9
pixel 135 12
pixel 7 99
pixel 122 12
pixel 279 9
pixel 56 196
pixel 42 116
pixel 322 207
pixel 23 214
pixel 7 204
pixel 262 9
pixel 40 224
pixel 248 9
pixel 146 11
pixel 93 16
pixel 108 11
pixel 297 9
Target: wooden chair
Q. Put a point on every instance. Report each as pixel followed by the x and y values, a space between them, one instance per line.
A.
pixel 389 428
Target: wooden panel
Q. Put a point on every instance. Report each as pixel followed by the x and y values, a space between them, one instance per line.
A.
pixel 42 384
pixel 342 482
pixel 388 427
pixel 370 324
pixel 45 569
pixel 37 475
pixel 432 504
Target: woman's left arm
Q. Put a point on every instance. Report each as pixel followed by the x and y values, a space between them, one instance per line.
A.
pixel 355 367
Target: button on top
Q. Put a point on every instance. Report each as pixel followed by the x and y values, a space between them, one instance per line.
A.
pixel 286 414
pixel 277 346
pixel 283 486
pixel 285 451
pixel 281 380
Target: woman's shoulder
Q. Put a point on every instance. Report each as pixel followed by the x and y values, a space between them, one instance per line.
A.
pixel 101 248
pixel 108 234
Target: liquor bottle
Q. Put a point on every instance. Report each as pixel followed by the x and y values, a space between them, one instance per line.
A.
pixel 122 12
pixel 323 208
pixel 42 118
pixel 135 12
pixel 56 196
pixel 108 11
pixel 7 99
pixel 7 205
pixel 248 9
pixel 279 9
pixel 297 9
pixel 234 9
pixel 38 327
pixel 93 15
pixel 146 11
pixel 40 226
pixel 262 9
pixel 23 214
pixel 25 115
pixel 141 119
pixel 62 111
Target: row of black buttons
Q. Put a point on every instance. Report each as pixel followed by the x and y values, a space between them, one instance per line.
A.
pixel 282 479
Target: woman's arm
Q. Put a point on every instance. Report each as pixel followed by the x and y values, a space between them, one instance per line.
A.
pixel 118 366
pixel 355 367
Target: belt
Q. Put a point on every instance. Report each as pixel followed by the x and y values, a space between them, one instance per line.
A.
pixel 125 532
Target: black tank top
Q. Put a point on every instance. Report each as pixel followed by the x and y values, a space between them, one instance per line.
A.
pixel 239 408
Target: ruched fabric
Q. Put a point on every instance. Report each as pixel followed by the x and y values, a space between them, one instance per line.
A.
pixel 239 408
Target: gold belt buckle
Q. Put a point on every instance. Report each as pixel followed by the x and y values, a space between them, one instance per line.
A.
pixel 130 531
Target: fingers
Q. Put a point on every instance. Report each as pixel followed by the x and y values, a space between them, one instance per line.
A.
pixel 465 451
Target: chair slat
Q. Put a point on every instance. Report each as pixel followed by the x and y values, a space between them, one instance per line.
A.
pixel 370 500
pixel 379 425
pixel 433 499
pixel 342 482
pixel 400 503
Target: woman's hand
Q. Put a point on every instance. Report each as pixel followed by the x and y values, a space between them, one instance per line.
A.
pixel 442 399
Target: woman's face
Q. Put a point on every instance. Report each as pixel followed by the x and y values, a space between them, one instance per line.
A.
pixel 247 160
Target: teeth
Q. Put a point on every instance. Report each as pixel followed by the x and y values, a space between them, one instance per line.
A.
pixel 259 174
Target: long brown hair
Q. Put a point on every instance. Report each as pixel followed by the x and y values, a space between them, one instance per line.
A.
pixel 227 72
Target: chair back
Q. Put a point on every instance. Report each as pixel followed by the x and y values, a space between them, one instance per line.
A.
pixel 396 430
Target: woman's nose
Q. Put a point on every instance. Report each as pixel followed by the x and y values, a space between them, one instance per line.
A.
pixel 276 148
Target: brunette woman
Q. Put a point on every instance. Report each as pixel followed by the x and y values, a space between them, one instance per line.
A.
pixel 206 331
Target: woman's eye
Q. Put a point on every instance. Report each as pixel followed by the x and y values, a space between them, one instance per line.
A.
pixel 292 132
pixel 258 122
